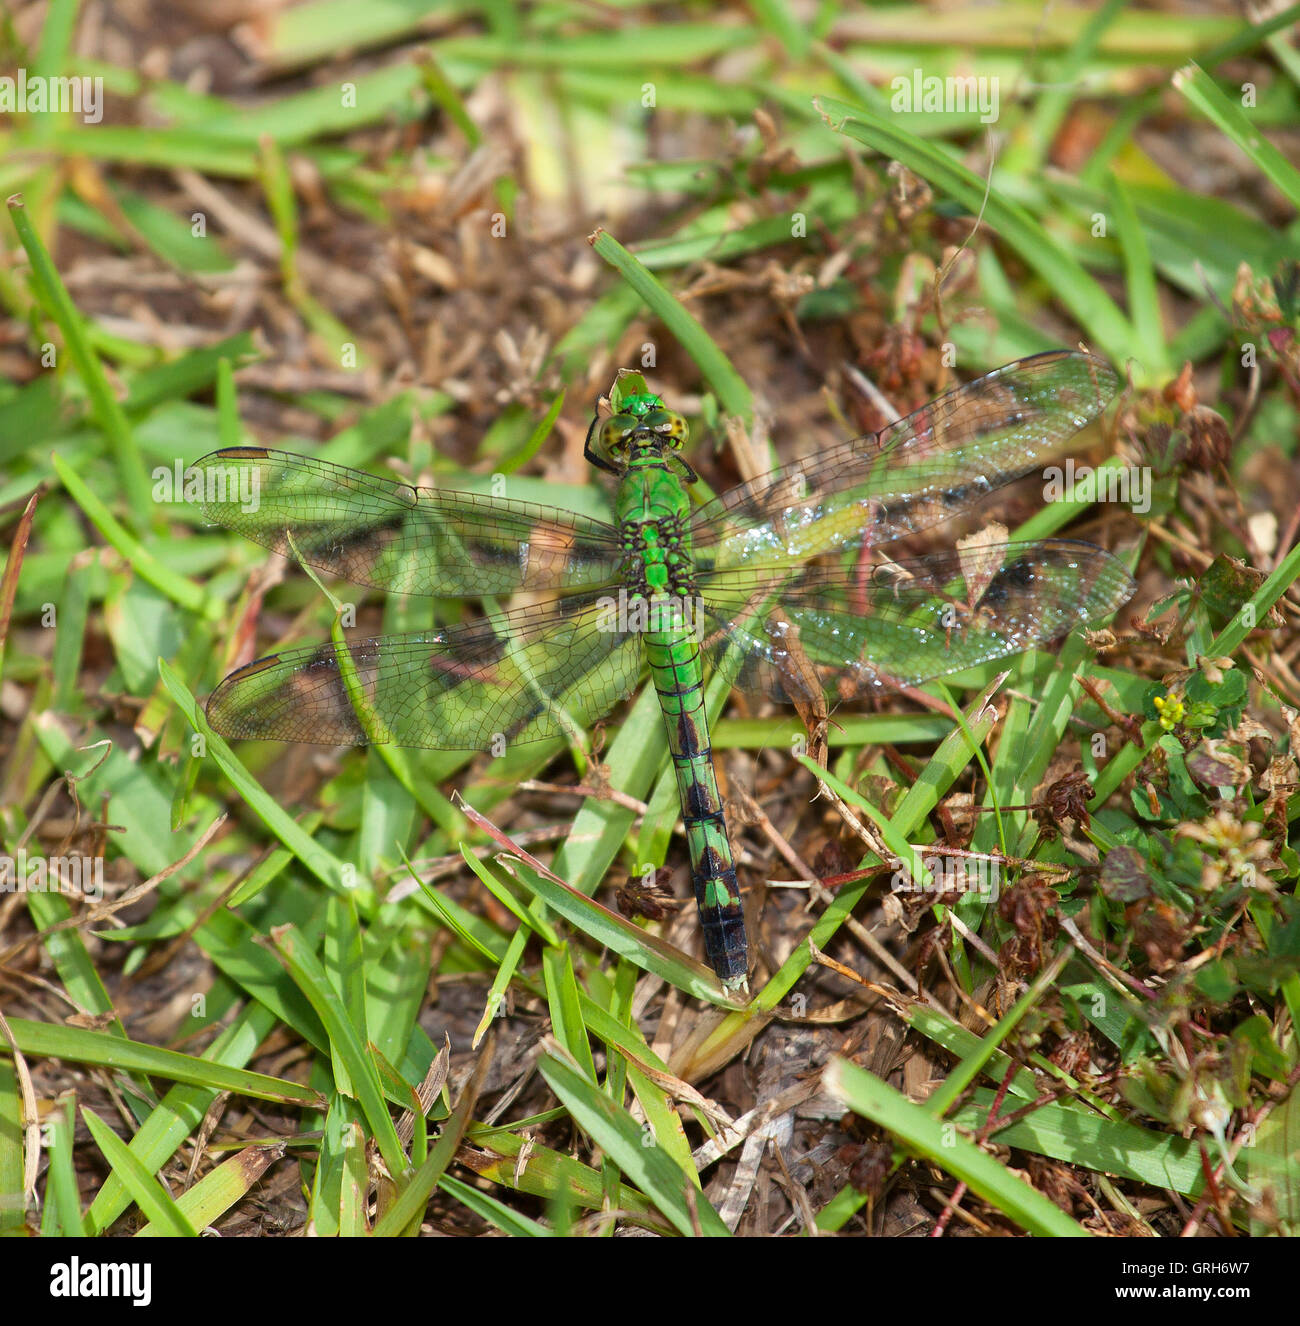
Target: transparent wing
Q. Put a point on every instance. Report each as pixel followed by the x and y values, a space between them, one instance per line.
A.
pixel 911 475
pixel 534 674
pixel 856 630
pixel 376 531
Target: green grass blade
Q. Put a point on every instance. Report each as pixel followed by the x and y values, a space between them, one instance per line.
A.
pixel 1203 92
pixel 216 1192
pixel 925 1135
pixel 649 1167
pixel 62 1214
pixel 690 335
pixel 486 1207
pixel 149 1195
pixel 184 593
pixel 57 303
pixel 323 864
pixel 565 1006
pixel 346 1043
pixel 82 1045
pixel 1140 280
pixel 1105 1146
pixel 1077 290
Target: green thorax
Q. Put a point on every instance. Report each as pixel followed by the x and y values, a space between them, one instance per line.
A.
pixel 641 444
pixel 653 514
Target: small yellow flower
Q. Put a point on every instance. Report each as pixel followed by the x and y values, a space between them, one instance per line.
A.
pixel 1171 711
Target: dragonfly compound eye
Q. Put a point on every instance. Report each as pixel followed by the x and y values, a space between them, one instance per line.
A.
pixel 670 425
pixel 613 434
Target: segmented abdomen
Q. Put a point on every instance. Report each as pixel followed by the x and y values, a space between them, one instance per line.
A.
pixel 674 659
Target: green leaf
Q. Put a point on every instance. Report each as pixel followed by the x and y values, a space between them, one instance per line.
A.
pixel 926 1135
pixel 1203 93
pixel 151 1197
pixel 684 328
pixel 645 1164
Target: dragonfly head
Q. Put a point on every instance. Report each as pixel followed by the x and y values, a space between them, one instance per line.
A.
pixel 642 422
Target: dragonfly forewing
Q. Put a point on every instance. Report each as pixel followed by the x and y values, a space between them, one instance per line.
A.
pixel 376 531
pixel 921 470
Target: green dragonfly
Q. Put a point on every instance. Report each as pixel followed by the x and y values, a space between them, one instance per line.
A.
pixel 780 584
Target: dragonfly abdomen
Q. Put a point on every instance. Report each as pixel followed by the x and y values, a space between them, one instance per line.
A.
pixel 674 658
